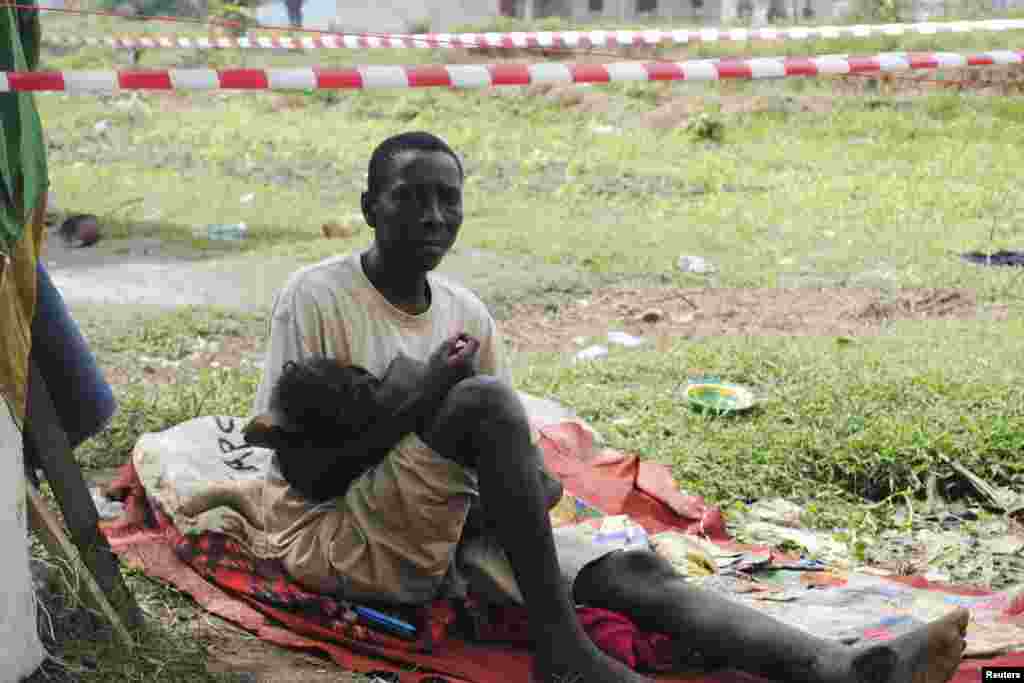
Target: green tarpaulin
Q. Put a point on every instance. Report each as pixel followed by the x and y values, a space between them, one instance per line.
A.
pixel 22 152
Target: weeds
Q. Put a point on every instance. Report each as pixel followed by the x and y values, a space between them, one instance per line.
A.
pixel 844 425
pixel 853 195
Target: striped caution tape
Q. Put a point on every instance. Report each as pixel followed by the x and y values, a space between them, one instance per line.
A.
pixel 537 40
pixel 492 75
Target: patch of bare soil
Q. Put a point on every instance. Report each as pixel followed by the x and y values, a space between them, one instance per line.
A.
pixel 664 315
pixel 234 651
pixel 230 352
pixel 675 112
pixel 984 81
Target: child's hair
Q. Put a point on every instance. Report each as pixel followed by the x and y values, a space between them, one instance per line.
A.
pixel 323 402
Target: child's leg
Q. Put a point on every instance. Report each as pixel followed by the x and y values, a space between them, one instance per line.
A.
pixel 646 587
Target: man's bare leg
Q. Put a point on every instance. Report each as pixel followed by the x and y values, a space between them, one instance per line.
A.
pixel 646 587
pixel 483 425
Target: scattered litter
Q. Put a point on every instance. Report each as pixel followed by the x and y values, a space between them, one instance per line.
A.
pixel 621 531
pixel 776 511
pixel 1000 258
pixel 80 230
pixel 939 545
pixel 101 126
pixel 690 555
pixel 746 563
pixel 338 230
pixel 717 397
pixel 781 596
pixel 224 232
pixel 591 353
pixel 875 571
pixel 1003 545
pixel 821 545
pixel 248 198
pixel 804 565
pixel 695 264
pixel 106 508
pixel 1000 497
pixel 544 411
pixel 627 340
pixel 583 303
pixel 651 315
pixel 935 575
pixel 604 130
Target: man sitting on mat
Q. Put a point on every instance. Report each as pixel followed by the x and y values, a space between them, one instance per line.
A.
pixel 391 534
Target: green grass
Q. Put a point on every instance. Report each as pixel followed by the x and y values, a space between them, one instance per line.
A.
pixel 876 192
pixel 786 195
pixel 171 647
pixel 843 423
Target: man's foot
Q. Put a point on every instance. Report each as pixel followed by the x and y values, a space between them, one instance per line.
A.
pixel 581 662
pixel 931 654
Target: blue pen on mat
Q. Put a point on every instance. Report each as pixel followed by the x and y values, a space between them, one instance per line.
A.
pixel 385 622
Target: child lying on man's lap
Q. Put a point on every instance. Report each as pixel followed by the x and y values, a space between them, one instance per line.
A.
pixel 326 413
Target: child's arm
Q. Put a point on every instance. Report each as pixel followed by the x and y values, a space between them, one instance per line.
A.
pixel 321 468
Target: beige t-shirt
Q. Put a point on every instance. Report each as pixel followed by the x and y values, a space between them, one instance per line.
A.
pixel 393 535
pixel 332 309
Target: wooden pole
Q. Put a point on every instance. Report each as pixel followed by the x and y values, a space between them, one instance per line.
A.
pixel 49 531
pixel 55 457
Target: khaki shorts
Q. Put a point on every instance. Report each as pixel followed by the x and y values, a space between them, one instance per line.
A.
pixel 396 536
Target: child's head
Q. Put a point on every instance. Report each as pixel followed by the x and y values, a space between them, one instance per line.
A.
pixel 322 397
pixel 317 401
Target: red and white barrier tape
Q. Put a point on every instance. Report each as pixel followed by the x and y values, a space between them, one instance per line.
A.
pixel 541 40
pixel 486 76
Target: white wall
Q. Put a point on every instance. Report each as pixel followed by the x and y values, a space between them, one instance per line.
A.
pixel 397 16
pixel 381 16
pixel 21 653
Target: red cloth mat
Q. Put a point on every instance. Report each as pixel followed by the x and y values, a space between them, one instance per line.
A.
pixel 257 594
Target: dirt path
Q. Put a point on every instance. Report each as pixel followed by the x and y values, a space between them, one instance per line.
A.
pixel 665 315
pixel 149 273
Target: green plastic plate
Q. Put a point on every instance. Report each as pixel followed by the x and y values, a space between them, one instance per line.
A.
pixel 719 398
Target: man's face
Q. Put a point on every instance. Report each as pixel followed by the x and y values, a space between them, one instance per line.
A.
pixel 417 212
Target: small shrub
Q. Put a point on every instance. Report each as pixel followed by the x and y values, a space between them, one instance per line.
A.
pixel 706 127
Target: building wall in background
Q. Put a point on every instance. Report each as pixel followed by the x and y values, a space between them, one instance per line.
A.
pixel 397 16
pixel 752 12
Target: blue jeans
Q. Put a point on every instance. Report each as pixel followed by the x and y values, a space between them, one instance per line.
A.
pixel 81 396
